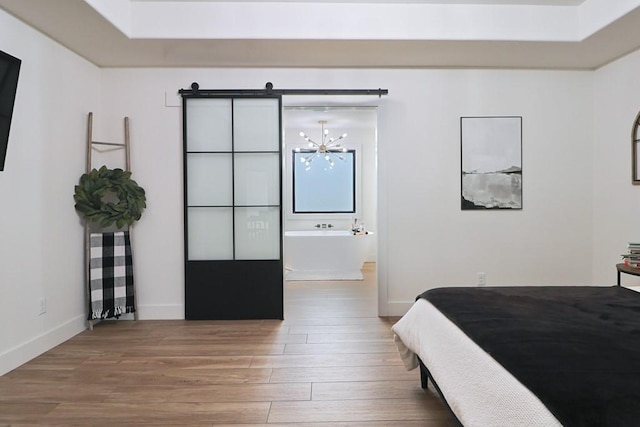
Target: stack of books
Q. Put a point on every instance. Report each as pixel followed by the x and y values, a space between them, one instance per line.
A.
pixel 632 257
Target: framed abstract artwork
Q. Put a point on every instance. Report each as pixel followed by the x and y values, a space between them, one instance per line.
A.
pixel 491 162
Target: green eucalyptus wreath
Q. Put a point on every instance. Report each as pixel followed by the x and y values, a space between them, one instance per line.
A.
pixel 96 184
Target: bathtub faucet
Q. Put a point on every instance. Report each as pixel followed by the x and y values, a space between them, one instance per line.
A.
pixel 357 228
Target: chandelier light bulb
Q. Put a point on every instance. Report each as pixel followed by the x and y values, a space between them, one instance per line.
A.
pixel 327 148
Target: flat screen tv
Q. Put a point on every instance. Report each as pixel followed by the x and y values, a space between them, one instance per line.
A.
pixel 9 71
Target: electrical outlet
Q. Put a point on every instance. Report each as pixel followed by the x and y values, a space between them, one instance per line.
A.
pixel 43 305
pixel 482 278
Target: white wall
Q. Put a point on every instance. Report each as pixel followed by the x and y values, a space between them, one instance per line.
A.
pixel 41 236
pixel 616 203
pixel 425 239
pixel 431 242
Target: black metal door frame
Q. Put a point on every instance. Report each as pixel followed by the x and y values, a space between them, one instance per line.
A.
pixel 233 289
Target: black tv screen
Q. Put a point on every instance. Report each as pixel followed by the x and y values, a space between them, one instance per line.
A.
pixel 9 71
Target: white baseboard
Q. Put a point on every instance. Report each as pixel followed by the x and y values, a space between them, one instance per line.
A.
pixel 398 308
pixel 24 352
pixel 161 312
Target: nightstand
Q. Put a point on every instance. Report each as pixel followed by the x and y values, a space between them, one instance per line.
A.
pixel 623 268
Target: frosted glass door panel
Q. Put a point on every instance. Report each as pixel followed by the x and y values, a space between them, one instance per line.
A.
pixel 209 125
pixel 209 179
pixel 257 179
pixel 256 125
pixel 257 233
pixel 210 233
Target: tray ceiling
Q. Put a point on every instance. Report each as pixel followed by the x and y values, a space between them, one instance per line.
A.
pixel 545 34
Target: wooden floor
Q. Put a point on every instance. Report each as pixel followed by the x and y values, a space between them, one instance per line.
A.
pixel 332 362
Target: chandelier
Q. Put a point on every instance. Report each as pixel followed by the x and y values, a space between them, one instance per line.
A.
pixel 327 149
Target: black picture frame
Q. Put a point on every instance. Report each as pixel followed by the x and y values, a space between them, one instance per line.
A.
pixel 635 151
pixel 491 163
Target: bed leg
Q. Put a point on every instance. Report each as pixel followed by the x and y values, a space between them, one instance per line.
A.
pixel 424 379
pixel 424 382
pixel 424 375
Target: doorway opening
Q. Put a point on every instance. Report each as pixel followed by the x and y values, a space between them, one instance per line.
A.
pixel 315 267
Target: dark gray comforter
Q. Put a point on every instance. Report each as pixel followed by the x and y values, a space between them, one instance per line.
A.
pixel 576 348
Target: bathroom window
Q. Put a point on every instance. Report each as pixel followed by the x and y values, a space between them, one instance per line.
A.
pixel 324 187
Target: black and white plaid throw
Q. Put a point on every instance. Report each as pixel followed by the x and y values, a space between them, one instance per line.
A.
pixel 111 275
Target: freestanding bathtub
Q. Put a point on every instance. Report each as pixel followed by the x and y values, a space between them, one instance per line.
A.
pixel 324 254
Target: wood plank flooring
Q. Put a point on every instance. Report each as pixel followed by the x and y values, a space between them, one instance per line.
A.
pixel 331 363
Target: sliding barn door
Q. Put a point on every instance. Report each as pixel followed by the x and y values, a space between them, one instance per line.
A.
pixel 233 215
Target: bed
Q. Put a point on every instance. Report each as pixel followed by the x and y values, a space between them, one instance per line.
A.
pixel 528 356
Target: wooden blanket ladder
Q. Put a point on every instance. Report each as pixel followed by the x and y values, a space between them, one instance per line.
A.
pixel 91 146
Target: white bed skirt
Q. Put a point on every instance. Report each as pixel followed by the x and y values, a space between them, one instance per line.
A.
pixel 480 392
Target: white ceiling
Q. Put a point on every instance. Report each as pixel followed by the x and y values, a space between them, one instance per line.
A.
pixel 556 34
pixel 338 119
